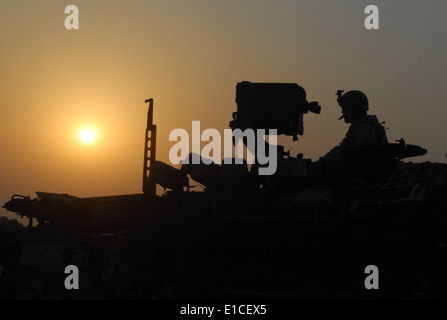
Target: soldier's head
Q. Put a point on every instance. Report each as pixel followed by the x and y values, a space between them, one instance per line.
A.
pixel 354 105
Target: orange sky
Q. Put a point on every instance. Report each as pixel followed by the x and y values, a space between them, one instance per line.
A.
pixel 188 56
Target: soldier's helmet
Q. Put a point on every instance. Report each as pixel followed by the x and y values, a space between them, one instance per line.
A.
pixel 353 99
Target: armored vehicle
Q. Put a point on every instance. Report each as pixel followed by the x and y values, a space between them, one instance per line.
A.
pixel 306 231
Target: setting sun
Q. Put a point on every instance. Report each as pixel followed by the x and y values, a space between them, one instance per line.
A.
pixel 87 135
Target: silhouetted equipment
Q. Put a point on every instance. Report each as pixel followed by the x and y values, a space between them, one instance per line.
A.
pixel 106 213
pixel 205 174
pixel 290 235
pixel 150 146
pixel 338 94
pixel 277 106
pixel 169 177
pixel 386 151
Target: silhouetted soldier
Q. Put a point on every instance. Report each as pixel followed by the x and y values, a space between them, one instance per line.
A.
pixel 364 128
pixel 355 156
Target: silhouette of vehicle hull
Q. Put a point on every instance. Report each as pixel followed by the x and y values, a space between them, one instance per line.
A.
pixel 289 239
